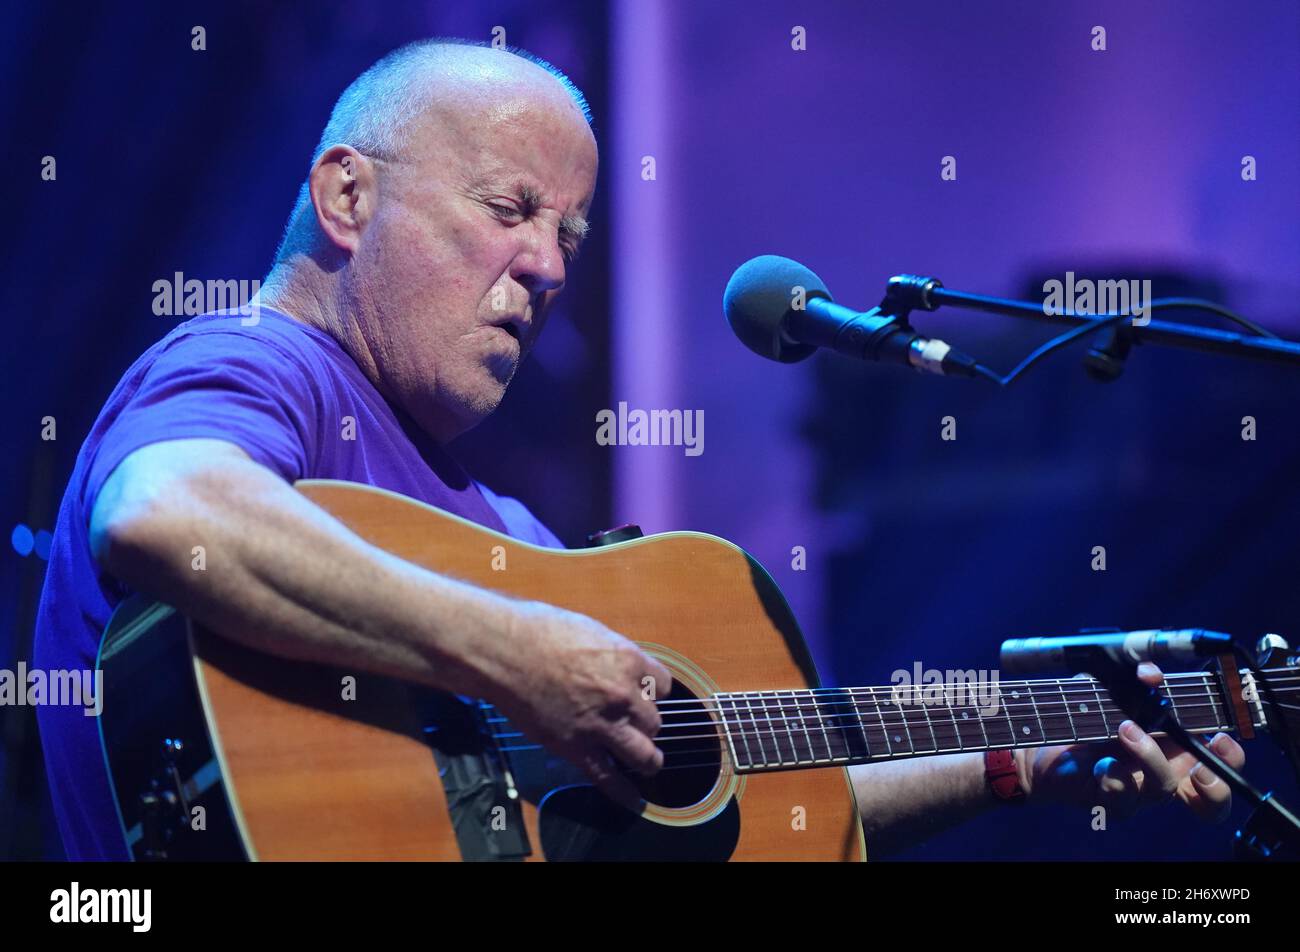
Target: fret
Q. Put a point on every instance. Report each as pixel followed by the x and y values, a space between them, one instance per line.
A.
pixel 803 722
pixel 852 749
pixel 884 728
pixel 1065 704
pixel 1087 713
pixel 898 729
pixel 862 728
pixel 952 716
pixel 941 722
pixel 758 731
pixel 731 741
pixel 916 723
pixel 1009 701
pixel 1056 725
pixel 925 710
pixel 1033 703
pixel 1173 706
pixel 763 729
pixel 803 752
pixel 781 743
pixel 1101 708
pixel 828 709
pixel 970 718
pixel 1214 707
pixel 821 724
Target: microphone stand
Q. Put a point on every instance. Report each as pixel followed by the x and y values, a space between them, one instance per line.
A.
pixel 1272 832
pixel 908 292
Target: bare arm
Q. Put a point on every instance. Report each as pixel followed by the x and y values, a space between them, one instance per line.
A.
pixel 283 576
pixel 906 801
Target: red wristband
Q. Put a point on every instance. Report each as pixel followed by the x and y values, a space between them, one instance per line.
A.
pixel 1004 779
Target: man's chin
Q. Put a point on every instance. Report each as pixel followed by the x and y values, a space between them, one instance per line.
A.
pixel 445 423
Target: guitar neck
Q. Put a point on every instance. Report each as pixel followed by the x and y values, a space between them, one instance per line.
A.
pixel 785 730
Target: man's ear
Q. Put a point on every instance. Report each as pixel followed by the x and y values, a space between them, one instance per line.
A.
pixel 343 192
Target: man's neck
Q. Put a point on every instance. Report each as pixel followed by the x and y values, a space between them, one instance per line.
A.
pixel 295 290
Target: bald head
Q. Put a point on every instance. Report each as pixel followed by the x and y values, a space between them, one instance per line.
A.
pixel 417 89
pixel 444 203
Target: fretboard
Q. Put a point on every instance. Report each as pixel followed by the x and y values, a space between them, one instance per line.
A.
pixel 783 730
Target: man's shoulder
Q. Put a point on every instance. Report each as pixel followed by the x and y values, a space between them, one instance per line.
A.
pixel 259 330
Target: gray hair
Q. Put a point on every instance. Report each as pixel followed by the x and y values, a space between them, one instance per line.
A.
pixel 373 115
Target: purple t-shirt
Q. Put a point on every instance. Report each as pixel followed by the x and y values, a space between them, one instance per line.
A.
pixel 281 391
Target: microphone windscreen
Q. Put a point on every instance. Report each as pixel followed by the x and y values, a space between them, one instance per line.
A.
pixel 759 299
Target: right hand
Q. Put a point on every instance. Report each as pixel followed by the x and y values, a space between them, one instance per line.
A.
pixel 583 691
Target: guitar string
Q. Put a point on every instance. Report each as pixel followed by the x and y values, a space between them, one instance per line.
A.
pixel 1045 705
pixel 818 712
pixel 1203 677
pixel 1077 688
pixel 1079 685
pixel 756 734
pixel 800 712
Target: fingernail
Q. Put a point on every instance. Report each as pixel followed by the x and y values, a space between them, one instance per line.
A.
pixel 1204 776
pixel 1220 744
pixel 1130 731
pixel 1147 669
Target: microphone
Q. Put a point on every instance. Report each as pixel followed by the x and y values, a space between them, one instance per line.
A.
pixel 1026 655
pixel 761 306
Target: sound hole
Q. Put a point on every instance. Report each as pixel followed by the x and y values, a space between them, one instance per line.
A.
pixel 692 750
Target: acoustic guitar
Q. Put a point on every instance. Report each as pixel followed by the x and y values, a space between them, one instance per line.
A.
pixel 219 752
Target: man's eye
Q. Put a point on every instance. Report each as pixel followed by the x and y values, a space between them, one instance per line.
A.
pixel 505 211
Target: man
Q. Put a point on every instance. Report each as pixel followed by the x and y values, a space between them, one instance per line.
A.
pixel 427 245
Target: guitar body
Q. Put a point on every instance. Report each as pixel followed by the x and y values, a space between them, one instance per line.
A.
pixel 217 751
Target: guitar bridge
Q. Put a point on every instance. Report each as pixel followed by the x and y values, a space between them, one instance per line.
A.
pixel 482 798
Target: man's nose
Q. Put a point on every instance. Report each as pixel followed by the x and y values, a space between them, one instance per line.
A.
pixel 539 267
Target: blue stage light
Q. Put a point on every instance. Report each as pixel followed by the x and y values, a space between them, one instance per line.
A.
pixel 22 539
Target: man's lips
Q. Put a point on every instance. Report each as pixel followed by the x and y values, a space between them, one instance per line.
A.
pixel 515 325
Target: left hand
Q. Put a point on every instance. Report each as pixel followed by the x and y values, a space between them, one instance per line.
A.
pixel 1134 771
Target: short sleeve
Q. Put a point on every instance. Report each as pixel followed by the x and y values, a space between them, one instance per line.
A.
pixel 239 387
pixel 519 520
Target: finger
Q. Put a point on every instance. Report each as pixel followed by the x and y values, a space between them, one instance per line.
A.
pixel 1213 798
pixel 1150 674
pixel 635 750
pixel 643 712
pixel 663 679
pixel 604 773
pixel 1116 785
pixel 1227 748
pixel 1159 780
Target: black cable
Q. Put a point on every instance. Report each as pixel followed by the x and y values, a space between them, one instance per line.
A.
pixel 1098 323
pixel 1110 320
pixel 1200 304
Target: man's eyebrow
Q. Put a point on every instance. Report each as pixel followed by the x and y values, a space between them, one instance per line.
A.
pixel 574 226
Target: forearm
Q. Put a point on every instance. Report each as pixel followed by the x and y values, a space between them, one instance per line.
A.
pixel 281 575
pixel 903 802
